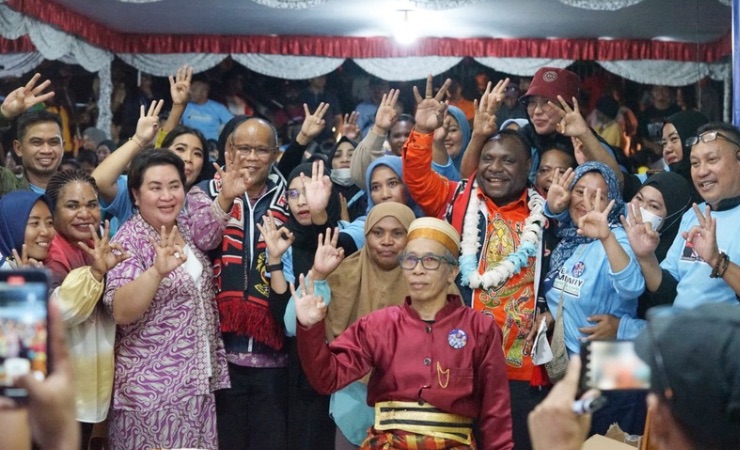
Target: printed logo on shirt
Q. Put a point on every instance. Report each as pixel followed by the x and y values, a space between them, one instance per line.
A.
pixel 457 338
pixel 688 254
pixel 578 269
pixel 568 284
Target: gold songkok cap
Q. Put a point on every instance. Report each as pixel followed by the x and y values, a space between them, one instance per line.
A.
pixel 436 230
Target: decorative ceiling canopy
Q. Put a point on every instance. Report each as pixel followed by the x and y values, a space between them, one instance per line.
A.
pixel 442 4
pixel 603 5
pixel 290 4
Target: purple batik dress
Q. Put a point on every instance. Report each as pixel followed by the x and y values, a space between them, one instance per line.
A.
pixel 170 361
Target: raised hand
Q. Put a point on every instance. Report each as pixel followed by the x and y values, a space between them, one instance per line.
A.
pixel 350 130
pixel 318 188
pixel 440 134
pixel 344 212
pixel 571 122
pixel 234 180
pixel 22 261
pixel 558 196
pixel 328 256
pixel 386 115
pixel 430 110
pixel 277 240
pixel 105 255
pixel 484 123
pixel 169 255
pixel 641 236
pixel 595 223
pixel 180 85
pixel 309 309
pixel 314 123
pixel 25 97
pixel 148 124
pixel 703 237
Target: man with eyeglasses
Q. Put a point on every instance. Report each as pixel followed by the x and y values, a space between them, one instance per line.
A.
pixel 252 413
pixel 702 264
pixel 500 263
pixel 436 367
pixel 694 398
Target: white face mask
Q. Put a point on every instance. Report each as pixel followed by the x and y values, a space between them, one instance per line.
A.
pixel 647 217
pixel 342 177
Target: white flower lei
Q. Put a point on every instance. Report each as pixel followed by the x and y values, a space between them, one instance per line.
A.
pixel 513 263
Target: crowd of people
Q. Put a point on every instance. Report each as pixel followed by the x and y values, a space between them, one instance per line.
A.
pixel 384 292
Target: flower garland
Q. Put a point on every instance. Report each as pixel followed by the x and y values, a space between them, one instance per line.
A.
pixel 513 263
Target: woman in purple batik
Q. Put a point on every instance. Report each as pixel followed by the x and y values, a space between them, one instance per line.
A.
pixel 169 353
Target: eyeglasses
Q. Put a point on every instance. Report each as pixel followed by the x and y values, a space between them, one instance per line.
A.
pixel 261 152
pixel 429 262
pixel 532 105
pixel 293 194
pixel 708 137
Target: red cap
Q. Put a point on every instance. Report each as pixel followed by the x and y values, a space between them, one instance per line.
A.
pixel 549 82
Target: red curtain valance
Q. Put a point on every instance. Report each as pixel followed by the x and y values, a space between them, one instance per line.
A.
pixel 369 47
pixel 21 45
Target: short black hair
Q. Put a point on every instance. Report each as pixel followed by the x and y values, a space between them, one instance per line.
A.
pixel 149 158
pixel 559 147
pixel 728 129
pixel 509 136
pixel 30 118
pixel 87 156
pixel 59 180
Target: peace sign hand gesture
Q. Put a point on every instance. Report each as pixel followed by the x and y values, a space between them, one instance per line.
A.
pixel 277 240
pixel 105 255
pixel 309 309
pixel 703 237
pixel 180 85
pixel 641 236
pixel 25 97
pixel 595 223
pixel 148 124
pixel 328 256
pixel 430 110
pixel 386 114
pixel 313 124
pixel 571 122
pixel 558 196
pixel 350 130
pixel 169 255
pixel 22 261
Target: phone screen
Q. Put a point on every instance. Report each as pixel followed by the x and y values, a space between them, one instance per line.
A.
pixel 612 365
pixel 23 328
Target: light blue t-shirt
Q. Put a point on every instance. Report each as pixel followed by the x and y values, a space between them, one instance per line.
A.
pixel 209 118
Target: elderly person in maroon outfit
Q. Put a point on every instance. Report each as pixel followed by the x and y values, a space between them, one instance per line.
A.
pixel 436 367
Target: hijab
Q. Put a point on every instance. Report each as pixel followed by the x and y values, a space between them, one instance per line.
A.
pixel 15 207
pixel 570 240
pixel 464 125
pixel 305 244
pixel 677 196
pixel 358 285
pixel 396 165
pixel 686 123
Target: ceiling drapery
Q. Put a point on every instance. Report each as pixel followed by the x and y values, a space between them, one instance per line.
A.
pixel 290 4
pixel 602 5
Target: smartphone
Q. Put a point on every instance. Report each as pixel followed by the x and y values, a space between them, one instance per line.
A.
pixel 612 365
pixel 24 328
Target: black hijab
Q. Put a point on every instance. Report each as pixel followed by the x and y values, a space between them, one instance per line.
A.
pixel 677 196
pixel 305 244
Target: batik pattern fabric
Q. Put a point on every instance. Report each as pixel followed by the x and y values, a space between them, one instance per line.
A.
pixel 173 355
pixel 398 440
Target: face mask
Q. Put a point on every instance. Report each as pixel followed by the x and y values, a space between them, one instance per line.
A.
pixel 342 177
pixel 648 217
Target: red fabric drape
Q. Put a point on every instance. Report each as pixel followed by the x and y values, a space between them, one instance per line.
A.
pixel 369 47
pixel 21 45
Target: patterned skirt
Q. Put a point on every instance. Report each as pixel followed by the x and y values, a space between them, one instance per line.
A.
pixel 191 424
pixel 401 440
